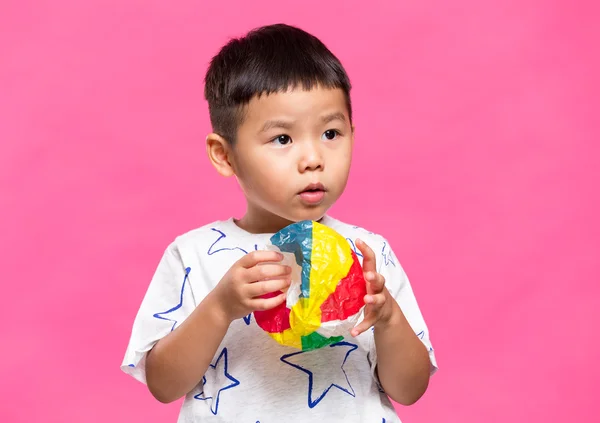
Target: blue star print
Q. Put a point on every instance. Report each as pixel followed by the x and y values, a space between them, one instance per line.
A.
pixel 353 246
pixel 323 377
pixel 218 380
pixel 386 253
pixel 222 244
pixel 173 311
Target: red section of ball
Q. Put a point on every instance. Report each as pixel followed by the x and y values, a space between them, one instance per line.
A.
pixel 275 320
pixel 348 297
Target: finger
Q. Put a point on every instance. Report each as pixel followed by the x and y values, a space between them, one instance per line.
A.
pixel 259 289
pixel 375 301
pixel 376 282
pixel 267 271
pixel 369 262
pixel 365 325
pixel 267 303
pixel 252 259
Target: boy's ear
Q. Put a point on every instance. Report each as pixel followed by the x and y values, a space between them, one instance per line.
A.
pixel 219 150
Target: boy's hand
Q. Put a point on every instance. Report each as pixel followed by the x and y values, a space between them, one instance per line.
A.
pixel 254 275
pixel 379 304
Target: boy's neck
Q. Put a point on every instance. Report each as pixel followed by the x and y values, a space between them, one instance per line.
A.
pixel 262 223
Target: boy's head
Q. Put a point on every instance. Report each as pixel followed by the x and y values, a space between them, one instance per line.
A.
pixel 279 104
pixel 267 60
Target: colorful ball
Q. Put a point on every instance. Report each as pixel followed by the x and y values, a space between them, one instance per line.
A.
pixel 326 297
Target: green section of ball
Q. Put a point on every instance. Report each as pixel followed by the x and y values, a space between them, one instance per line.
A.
pixel 315 340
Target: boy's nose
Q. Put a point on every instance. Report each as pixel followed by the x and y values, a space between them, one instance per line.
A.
pixel 312 158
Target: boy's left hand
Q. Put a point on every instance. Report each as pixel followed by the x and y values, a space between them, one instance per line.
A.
pixel 379 304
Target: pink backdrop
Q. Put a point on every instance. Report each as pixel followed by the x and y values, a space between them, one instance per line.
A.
pixel 477 150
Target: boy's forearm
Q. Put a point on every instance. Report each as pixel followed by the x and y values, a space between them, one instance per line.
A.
pixel 178 362
pixel 403 364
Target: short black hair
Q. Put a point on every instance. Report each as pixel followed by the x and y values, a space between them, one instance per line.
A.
pixel 267 60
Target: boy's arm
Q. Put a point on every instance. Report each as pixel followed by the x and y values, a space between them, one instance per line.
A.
pixel 403 364
pixel 178 361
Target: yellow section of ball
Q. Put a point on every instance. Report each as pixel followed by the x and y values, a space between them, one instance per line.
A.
pixel 331 259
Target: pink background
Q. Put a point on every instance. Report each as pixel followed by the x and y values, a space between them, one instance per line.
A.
pixel 476 155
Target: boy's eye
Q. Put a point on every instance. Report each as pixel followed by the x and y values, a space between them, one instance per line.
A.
pixel 330 134
pixel 282 140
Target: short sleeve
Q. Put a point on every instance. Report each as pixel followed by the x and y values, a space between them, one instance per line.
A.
pixel 166 304
pixel 401 290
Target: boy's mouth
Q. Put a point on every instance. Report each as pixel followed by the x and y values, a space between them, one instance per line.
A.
pixel 313 188
pixel 313 194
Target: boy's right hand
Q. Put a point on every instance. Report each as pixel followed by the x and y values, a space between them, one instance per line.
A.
pixel 251 277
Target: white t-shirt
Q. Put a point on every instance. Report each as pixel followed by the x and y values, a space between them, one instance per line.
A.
pixel 252 378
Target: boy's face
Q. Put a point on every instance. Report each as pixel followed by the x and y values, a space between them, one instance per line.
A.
pixel 292 155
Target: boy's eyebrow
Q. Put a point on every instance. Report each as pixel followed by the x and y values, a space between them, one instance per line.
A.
pixel 270 124
pixel 334 116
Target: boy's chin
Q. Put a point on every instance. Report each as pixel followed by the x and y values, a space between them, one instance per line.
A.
pixel 314 215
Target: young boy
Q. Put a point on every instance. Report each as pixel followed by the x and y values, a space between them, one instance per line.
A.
pixel 280 108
